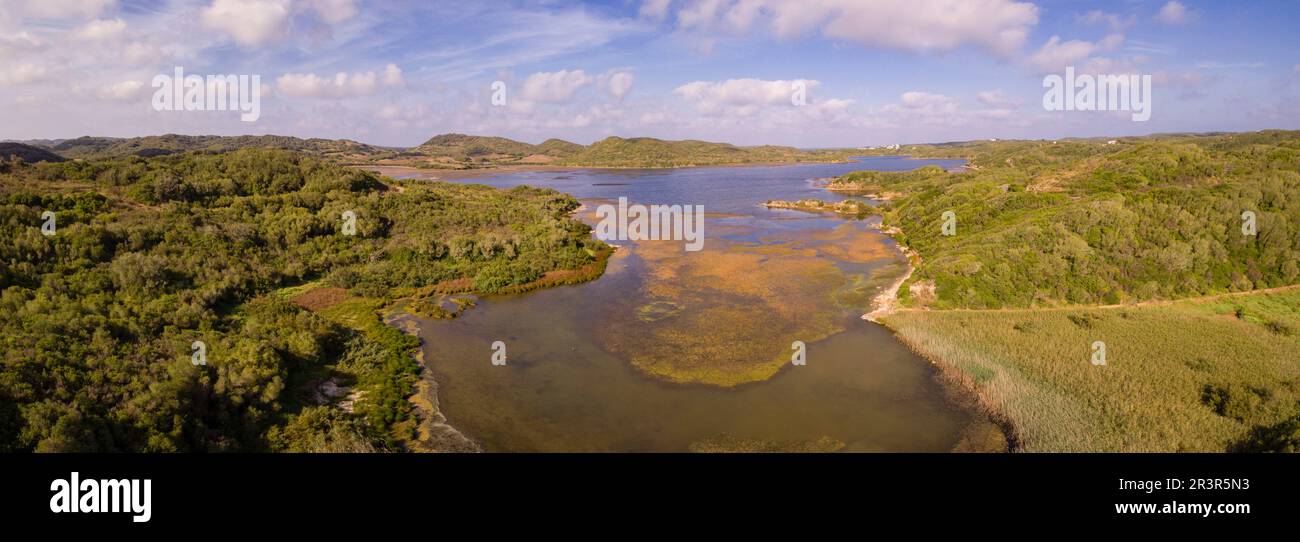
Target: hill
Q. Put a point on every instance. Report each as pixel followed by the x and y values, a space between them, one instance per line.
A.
pixel 98 321
pixel 651 152
pixel 477 151
pixel 1138 245
pixel 456 151
pixel 107 147
pixel 27 153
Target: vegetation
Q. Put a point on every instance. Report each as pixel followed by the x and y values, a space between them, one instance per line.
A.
pixel 451 151
pixel 483 150
pixel 1061 244
pixel 111 147
pixel 644 152
pixel 852 208
pixel 10 151
pixel 97 321
pixel 1044 224
pixel 1195 375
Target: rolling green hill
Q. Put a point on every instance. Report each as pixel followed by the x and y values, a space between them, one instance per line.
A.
pixel 650 152
pixel 108 147
pixel 27 153
pixel 456 151
pixel 483 150
pixel 1138 245
pixel 1086 222
pixel 97 320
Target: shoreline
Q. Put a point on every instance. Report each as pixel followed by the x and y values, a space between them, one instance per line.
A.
pixel 961 386
pixel 886 302
pixel 435 433
pixel 438 174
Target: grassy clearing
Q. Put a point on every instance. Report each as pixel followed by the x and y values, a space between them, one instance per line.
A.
pixel 1193 375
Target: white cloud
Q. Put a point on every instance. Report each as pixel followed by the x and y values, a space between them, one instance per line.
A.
pixel 248 22
pixel 334 11
pixel 101 30
pixel 141 53
pixel 654 9
pixel 393 76
pixel 930 109
pixel 996 99
pixel 21 74
pixel 999 26
pixel 58 9
pixel 342 85
pixel 21 43
pixel 917 100
pixel 389 112
pixel 1174 12
pixel 121 92
pixel 1055 55
pixel 760 103
pixel 1115 22
pixel 554 87
pixel 740 96
pixel 616 83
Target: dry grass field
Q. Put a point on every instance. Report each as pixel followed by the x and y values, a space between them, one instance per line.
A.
pixel 1194 375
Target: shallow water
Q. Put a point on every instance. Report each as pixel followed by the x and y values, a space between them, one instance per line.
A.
pixel 609 365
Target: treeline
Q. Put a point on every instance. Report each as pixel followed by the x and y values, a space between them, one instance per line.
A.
pixel 648 152
pixel 97 321
pixel 1086 222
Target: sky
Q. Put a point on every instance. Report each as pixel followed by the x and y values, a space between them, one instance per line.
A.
pixel 872 72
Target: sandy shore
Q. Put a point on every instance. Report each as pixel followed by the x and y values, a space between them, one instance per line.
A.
pixel 886 302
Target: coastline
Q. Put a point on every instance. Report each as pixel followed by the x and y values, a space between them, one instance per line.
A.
pixel 886 302
pixel 964 389
pixel 960 386
pixel 472 173
pixel 434 432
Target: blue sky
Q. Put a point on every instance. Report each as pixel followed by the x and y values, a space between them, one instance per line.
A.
pixel 877 72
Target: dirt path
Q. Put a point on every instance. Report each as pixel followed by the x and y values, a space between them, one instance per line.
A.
pixel 886 302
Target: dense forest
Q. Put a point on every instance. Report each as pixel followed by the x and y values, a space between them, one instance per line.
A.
pixel 1043 223
pixel 100 306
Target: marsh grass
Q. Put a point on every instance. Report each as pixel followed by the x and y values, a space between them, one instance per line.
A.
pixel 1193 375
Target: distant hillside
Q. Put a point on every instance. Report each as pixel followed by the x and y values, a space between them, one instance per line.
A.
pixel 559 148
pixel 651 152
pixel 466 148
pixel 28 153
pixel 473 151
pixel 42 143
pixel 455 151
pixel 109 147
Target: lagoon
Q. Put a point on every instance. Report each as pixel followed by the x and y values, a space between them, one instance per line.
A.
pixel 689 351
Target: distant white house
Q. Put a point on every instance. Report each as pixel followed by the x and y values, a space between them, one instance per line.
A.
pixel 1112 142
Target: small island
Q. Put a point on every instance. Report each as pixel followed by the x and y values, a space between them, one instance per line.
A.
pixel 853 208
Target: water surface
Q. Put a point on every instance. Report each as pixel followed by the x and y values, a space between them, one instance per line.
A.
pixel 615 364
